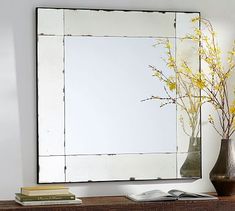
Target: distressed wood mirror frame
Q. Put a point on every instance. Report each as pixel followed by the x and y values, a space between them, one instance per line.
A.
pixel 92 73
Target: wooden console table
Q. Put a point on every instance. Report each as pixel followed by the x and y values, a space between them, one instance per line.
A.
pixel 121 203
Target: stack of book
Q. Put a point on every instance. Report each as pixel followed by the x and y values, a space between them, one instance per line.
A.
pixel 46 195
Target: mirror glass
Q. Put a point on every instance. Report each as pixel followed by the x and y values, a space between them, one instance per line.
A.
pixel 93 77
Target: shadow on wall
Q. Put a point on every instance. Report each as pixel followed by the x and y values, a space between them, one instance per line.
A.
pixel 25 62
pixel 10 155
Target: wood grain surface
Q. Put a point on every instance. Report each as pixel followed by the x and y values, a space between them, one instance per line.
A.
pixel 121 203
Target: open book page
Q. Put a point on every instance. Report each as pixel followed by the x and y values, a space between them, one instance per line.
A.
pixel 153 195
pixel 181 195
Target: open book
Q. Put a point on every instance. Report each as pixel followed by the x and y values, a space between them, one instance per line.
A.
pixel 172 195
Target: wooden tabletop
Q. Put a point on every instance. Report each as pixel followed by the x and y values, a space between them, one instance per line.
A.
pixel 114 203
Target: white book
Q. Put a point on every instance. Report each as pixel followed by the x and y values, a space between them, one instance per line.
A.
pixel 55 202
pixel 172 195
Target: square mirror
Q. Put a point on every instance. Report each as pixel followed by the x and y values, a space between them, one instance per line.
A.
pixel 93 77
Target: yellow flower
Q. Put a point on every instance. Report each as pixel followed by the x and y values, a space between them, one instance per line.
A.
pixel 186 68
pixel 171 84
pixel 205 38
pixel 171 62
pixel 194 38
pixel 218 87
pixel 201 51
pixel 197 31
pixel 232 108
pixel 157 74
pixel 209 60
pixel 198 81
pixel 168 45
pixel 227 75
pixel 195 19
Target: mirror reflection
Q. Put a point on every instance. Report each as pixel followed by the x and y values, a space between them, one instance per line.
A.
pixel 106 79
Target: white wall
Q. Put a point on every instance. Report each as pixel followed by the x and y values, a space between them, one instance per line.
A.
pixel 18 91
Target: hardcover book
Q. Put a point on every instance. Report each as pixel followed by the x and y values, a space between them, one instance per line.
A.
pixel 172 195
pixel 55 202
pixel 44 190
pixel 22 197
